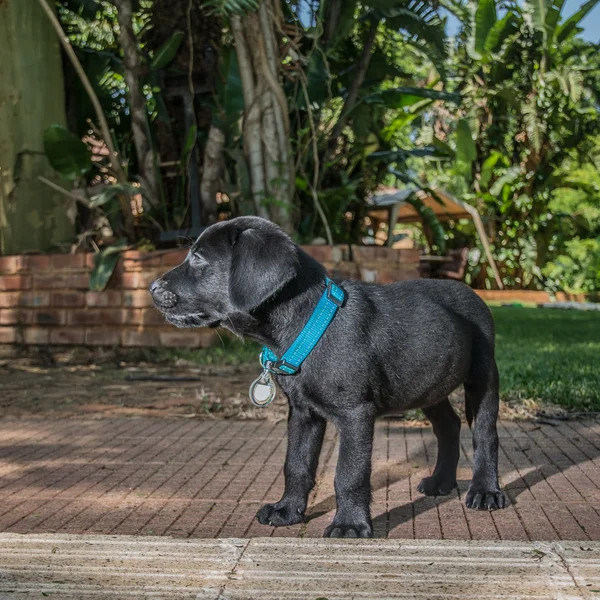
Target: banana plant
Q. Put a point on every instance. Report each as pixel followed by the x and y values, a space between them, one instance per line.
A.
pixel 527 82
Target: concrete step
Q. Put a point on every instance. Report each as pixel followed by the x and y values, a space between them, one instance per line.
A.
pixel 78 567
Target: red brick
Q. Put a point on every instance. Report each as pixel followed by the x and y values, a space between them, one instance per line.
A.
pixel 142 316
pixel 367 254
pixel 187 339
pixel 172 259
pixel 9 299
pixel 11 316
pixel 321 253
pixel 346 270
pixel 50 316
pixel 89 260
pixel 36 335
pixel 38 262
pixel 137 299
pixel 103 299
pixel 533 296
pixel 35 299
pixel 408 255
pixel 135 255
pixel 64 281
pixel 67 261
pixel 8 264
pixel 14 282
pixel 137 281
pixel 68 299
pixel 68 336
pixel 385 276
pixel 131 266
pixel 8 335
pixel 147 337
pixel 102 337
pixel 95 317
pixel 140 261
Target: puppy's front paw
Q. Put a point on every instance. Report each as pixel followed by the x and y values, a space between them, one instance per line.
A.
pixel 342 528
pixel 482 499
pixel 436 486
pixel 280 514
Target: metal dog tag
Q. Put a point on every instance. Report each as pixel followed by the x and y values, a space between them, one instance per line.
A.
pixel 262 390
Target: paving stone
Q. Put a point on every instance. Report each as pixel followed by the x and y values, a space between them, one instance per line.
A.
pixel 207 479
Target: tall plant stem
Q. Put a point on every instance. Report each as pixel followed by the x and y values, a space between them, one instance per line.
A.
pixel 102 122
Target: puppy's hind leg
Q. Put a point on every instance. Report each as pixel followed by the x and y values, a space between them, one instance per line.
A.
pixel 446 426
pixel 482 404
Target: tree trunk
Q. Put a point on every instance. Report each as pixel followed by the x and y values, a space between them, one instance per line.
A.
pixel 137 103
pixel 33 217
pixel 266 125
pixel 211 173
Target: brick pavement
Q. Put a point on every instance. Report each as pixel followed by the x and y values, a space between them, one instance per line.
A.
pixel 206 479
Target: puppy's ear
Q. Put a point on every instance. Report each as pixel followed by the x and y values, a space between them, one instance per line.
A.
pixel 262 262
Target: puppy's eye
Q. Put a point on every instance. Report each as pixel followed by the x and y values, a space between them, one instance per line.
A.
pixel 196 258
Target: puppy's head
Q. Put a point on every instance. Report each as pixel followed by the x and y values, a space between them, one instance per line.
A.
pixel 233 267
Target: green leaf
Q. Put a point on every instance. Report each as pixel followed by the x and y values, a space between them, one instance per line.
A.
pixel 110 192
pixel 443 148
pixel 466 152
pixel 487 169
pixel 553 16
pixel 362 118
pixel 403 119
pixel 407 96
pixel 345 22
pixel 66 152
pixel 576 85
pixel 565 30
pixel 484 19
pixel 229 87
pixel 419 21
pixel 105 262
pixel 317 80
pixel 509 177
pixel 431 220
pixel 85 8
pixel 229 8
pixel 167 52
pixel 501 30
pixel 533 124
pixel 538 9
pixel 392 156
pixel 190 141
pixel 242 171
pixel 457 8
pixel 381 68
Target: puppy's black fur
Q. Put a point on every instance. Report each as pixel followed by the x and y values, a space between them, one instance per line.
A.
pixel 389 348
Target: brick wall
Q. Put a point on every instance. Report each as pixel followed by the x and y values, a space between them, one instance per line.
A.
pixel 45 300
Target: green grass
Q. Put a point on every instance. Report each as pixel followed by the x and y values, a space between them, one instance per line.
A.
pixel 549 355
pixel 227 351
pixel 545 355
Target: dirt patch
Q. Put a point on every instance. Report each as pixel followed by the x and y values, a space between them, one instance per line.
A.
pixel 107 384
pixel 33 390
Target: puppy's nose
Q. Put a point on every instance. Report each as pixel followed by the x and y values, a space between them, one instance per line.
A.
pixel 162 298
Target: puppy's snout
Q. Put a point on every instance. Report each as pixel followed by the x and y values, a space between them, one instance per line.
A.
pixel 162 297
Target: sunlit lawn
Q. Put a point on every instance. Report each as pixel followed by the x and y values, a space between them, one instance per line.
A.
pixel 549 355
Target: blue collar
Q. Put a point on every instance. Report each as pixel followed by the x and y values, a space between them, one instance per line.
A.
pixel 332 299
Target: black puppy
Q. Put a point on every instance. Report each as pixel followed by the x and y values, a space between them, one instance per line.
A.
pixel 388 349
